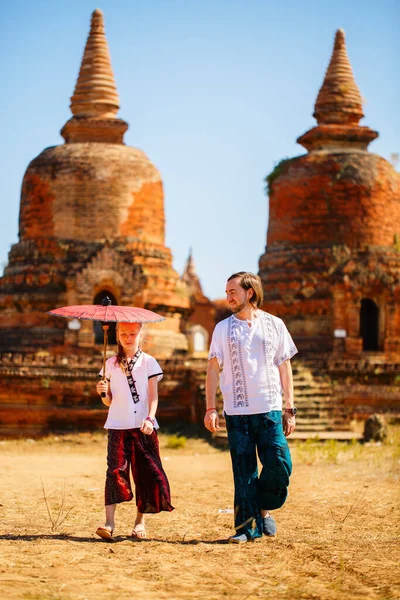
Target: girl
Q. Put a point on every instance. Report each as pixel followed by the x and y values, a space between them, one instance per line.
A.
pixel 131 394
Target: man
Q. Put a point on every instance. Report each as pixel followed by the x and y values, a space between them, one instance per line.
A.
pixel 249 358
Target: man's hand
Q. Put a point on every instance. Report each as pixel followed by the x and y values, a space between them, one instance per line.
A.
pixel 211 420
pixel 289 423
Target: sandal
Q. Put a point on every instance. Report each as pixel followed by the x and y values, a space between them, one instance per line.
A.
pixel 138 534
pixel 105 533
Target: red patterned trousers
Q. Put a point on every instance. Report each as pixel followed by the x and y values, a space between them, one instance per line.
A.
pixel 131 448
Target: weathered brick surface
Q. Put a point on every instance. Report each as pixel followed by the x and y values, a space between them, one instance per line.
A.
pixel 55 389
pixel 338 199
pixel 92 192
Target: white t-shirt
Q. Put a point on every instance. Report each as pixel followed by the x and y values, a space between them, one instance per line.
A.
pixel 123 412
pixel 248 354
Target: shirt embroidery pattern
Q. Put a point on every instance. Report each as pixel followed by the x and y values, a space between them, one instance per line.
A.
pixel 218 356
pixel 270 340
pixel 287 356
pixel 240 397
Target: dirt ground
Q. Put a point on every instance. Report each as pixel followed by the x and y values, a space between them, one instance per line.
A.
pixel 337 533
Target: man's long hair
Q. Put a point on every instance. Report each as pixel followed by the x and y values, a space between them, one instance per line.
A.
pixel 250 281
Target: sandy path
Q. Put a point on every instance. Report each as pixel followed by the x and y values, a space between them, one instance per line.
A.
pixel 316 554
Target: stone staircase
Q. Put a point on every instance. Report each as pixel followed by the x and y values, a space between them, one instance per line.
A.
pixel 319 414
pixel 318 411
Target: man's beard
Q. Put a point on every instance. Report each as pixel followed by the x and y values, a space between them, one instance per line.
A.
pixel 237 309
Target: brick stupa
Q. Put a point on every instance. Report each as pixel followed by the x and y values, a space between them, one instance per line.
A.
pixel 91 224
pixel 331 267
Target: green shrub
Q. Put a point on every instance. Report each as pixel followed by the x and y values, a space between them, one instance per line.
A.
pixel 176 441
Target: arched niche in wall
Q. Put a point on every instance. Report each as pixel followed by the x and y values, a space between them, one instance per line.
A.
pixel 198 339
pixel 97 326
pixel 369 325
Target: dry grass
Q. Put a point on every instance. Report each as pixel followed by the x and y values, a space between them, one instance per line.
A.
pixel 336 539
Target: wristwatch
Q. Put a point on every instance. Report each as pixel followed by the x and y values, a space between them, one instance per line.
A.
pixel 292 411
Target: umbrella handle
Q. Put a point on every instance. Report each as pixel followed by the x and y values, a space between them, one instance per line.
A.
pixel 105 333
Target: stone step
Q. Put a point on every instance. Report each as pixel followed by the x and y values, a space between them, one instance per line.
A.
pixel 321 427
pixel 306 373
pixel 327 409
pixel 312 388
pixel 336 434
pixel 313 397
pixel 312 383
pixel 305 416
pixel 309 377
pixel 315 405
pixel 311 421
pixel 317 374
pixel 328 415
pixel 310 418
pixel 313 400
pixel 311 380
pixel 315 417
pixel 321 409
pixel 310 392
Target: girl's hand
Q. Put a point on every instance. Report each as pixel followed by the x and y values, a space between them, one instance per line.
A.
pixel 102 387
pixel 147 427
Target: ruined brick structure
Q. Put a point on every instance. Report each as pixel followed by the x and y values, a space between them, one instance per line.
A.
pixel 331 268
pixel 91 224
pixel 201 320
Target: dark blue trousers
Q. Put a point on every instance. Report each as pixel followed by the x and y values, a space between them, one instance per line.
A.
pixel 247 436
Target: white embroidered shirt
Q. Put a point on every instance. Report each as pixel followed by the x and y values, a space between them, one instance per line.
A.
pixel 249 354
pixel 123 412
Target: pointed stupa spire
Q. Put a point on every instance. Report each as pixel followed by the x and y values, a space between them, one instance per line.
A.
pixel 95 101
pixel 338 108
pixel 190 269
pixel 339 99
pixel 191 278
pixel 95 92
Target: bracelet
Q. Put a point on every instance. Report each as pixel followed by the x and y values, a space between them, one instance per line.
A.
pixel 151 420
pixel 210 409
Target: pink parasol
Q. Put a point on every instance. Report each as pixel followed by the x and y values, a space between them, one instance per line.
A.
pixel 107 313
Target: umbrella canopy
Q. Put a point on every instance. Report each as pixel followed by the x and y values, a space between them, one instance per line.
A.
pixel 107 313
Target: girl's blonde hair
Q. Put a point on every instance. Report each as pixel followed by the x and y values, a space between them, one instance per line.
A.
pixel 120 357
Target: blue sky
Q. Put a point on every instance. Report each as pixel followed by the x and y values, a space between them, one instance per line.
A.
pixel 215 91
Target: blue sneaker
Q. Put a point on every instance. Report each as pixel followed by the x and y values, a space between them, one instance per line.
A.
pixel 269 526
